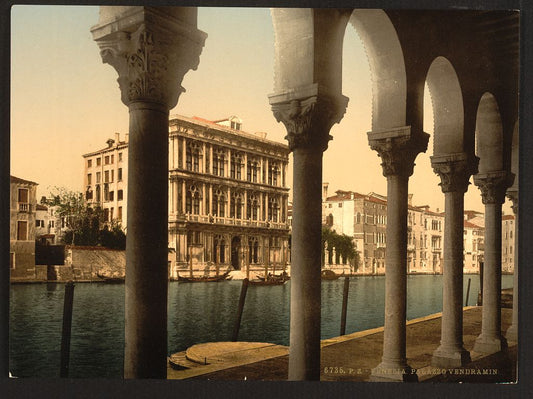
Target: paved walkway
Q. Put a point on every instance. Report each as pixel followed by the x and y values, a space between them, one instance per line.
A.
pixel 350 357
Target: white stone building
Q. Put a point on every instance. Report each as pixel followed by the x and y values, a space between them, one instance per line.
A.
pixel 508 243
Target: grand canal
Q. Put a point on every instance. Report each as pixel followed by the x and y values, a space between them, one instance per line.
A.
pixel 197 313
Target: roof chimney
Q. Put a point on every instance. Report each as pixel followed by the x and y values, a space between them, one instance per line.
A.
pixel 117 138
pixel 110 142
pixel 410 199
pixel 324 191
pixel 127 137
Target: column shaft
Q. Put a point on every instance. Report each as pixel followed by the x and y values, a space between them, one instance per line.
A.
pixel 146 266
pixel 304 359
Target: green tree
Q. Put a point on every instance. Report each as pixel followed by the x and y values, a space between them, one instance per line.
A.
pixel 344 247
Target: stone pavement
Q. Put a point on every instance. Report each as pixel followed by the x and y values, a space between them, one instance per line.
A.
pixel 351 357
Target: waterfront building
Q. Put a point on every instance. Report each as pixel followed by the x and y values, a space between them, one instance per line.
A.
pixel 473 246
pixel 364 217
pixel 228 199
pixel 22 228
pixel 105 179
pixel 508 243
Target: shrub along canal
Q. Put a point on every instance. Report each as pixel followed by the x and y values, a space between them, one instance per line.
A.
pixel 200 312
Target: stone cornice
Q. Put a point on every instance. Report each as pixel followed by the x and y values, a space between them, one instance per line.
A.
pixel 151 54
pixel 398 149
pixel 493 186
pixel 454 171
pixel 308 115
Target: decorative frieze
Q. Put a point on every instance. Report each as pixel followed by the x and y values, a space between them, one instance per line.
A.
pixel 398 149
pixel 308 120
pixel 454 171
pixel 493 186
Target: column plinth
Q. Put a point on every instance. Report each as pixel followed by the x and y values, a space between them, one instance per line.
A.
pixel 308 117
pixel 398 149
pixel 455 171
pixel 493 186
pixel 151 50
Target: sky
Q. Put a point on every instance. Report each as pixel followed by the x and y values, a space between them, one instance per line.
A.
pixel 65 102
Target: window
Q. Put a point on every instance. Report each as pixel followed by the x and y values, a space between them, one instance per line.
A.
pixel 106 160
pixel 106 176
pixel 111 196
pixel 219 201
pixel 89 163
pixel 112 158
pixel 106 192
pixel 218 162
pixel 273 209
pixel 251 174
pixel 192 157
pixel 236 204
pixel 22 230
pixel 112 175
pixel 236 166
pixel 192 200
pixel 120 157
pixel 120 195
pixel 89 179
pixel 340 204
pixel 194 238
pixel 119 174
pixel 98 177
pixel 98 161
pixel 23 195
pixel 253 206
pixel 119 214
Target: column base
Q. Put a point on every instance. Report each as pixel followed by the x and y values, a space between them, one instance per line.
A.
pixel 393 373
pixel 512 333
pixel 489 345
pixel 450 357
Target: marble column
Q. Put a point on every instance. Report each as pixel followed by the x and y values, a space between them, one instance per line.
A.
pixel 398 149
pixel 308 120
pixel 512 331
pixel 151 50
pixel 454 171
pixel 493 186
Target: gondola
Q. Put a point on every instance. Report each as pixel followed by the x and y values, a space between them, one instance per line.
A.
pixel 204 279
pixel 110 280
pixel 329 275
pixel 271 280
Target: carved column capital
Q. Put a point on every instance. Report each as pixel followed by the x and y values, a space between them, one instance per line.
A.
pixel 512 194
pixel 454 171
pixel 398 149
pixel 151 53
pixel 308 116
pixel 493 186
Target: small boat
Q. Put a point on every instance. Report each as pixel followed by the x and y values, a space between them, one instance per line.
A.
pixel 329 275
pixel 111 279
pixel 279 279
pixel 204 279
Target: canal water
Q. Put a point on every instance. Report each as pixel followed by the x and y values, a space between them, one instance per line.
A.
pixel 201 312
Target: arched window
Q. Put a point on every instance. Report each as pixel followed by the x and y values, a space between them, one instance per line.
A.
pixel 192 156
pixel 219 159
pixel 253 249
pixel 329 220
pixel 253 207
pixel 236 166
pixel 273 173
pixel 219 249
pixel 192 200
pixel 273 209
pixel 236 204
pixel 219 202
pixel 252 168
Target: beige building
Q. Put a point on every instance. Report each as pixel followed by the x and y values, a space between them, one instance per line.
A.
pixel 227 197
pixel 473 245
pixel 227 194
pixel 508 243
pixel 105 179
pixel 22 227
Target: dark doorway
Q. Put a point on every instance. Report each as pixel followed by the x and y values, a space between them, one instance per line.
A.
pixel 235 246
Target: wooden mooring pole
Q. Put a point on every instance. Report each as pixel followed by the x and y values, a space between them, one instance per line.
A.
pixel 239 310
pixel 468 291
pixel 67 324
pixel 480 296
pixel 344 304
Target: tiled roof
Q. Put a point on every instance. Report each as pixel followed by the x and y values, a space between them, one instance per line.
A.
pixel 40 207
pixel 472 225
pixel 19 180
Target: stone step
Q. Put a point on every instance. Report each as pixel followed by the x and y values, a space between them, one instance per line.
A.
pixel 179 361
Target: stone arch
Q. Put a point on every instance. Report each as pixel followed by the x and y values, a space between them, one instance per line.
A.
pixel 489 135
pixel 448 109
pixel 387 67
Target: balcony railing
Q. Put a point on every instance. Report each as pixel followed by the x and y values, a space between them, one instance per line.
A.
pixel 232 221
pixel 24 207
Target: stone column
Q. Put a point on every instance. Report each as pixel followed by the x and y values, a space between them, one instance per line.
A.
pixel 398 149
pixel 492 186
pixel 184 154
pixel 512 331
pixel 455 171
pixel 308 117
pixel 151 50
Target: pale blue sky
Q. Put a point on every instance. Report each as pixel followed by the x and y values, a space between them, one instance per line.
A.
pixel 66 102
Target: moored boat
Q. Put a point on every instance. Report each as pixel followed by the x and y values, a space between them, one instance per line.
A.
pixel 329 275
pixel 204 279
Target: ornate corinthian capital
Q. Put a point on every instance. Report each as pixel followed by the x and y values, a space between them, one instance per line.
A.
pixel 398 149
pixel 493 186
pixel 151 54
pixel 454 171
pixel 308 118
